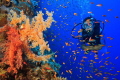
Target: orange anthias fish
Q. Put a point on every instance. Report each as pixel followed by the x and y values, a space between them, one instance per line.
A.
pixel 67 44
pixel 101 35
pixel 107 20
pixel 91 2
pixel 75 14
pixel 104 15
pixel 45 8
pixel 89 12
pixel 109 9
pixel 99 5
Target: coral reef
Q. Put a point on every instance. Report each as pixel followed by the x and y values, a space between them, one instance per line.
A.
pixel 24 53
pixel 13 54
pixel 32 32
pixel 17 6
pixel 5 2
pixel 18 38
pixel 25 7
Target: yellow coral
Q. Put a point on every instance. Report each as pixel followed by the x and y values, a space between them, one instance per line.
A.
pixel 32 31
pixel 2 71
pixel 38 58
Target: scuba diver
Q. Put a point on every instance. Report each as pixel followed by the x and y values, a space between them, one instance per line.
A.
pixel 91 31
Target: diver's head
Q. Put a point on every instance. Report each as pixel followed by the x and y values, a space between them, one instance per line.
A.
pixel 88 23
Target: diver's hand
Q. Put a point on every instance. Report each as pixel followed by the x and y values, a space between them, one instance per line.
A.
pixel 91 40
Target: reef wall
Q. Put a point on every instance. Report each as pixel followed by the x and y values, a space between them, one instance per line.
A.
pixel 24 53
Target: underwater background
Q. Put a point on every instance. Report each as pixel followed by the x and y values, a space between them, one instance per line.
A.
pixel 69 12
pixel 63 57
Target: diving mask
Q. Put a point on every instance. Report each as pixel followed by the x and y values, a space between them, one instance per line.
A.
pixel 88 26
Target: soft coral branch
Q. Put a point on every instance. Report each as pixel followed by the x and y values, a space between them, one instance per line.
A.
pixel 31 56
pixel 19 36
pixel 13 55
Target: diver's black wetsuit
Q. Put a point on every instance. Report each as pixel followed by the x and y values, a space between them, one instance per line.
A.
pixel 94 34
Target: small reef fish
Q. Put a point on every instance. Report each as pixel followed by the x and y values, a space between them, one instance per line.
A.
pixel 107 52
pixel 108 37
pixel 45 8
pixel 116 17
pixel 75 14
pixel 104 15
pixel 109 46
pixel 63 62
pixel 101 35
pixel 107 20
pixel 70 71
pixel 99 5
pixel 56 55
pixel 118 71
pixel 117 57
pixel 94 51
pixel 91 2
pixel 67 44
pixel 89 12
pixel 84 57
pixel 109 9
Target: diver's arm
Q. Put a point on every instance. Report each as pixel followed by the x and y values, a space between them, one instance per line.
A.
pixel 79 34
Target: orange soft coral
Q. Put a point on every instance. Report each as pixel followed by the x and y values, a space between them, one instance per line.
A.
pixel 14 47
pixel 32 30
pixel 13 54
pixel 19 36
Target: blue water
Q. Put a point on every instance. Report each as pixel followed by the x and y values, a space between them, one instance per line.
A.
pixel 71 57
